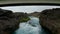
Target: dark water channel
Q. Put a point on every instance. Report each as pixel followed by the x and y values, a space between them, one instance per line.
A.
pixel 31 27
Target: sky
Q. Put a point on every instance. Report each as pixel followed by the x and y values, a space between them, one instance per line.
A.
pixel 28 9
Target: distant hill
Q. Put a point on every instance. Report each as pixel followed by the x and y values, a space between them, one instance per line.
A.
pixel 36 14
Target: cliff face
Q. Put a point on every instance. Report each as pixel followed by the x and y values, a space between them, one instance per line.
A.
pixel 9 21
pixel 50 19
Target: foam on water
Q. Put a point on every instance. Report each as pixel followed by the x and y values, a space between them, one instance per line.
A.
pixel 30 27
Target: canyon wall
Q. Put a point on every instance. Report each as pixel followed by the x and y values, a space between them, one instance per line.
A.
pixel 9 21
pixel 50 19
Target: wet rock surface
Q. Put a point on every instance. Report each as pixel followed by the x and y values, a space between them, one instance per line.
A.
pixel 9 21
pixel 50 19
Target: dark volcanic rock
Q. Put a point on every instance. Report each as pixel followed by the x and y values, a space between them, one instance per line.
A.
pixel 9 21
pixel 50 19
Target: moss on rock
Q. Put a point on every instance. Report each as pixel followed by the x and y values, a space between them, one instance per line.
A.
pixel 24 19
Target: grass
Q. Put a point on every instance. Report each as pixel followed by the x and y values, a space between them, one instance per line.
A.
pixel 25 19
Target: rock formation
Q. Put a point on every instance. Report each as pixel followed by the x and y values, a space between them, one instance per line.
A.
pixel 50 19
pixel 9 21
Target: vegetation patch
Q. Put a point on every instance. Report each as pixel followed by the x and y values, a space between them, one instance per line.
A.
pixel 24 19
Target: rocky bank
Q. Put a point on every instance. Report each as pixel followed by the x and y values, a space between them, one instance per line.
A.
pixel 9 21
pixel 50 19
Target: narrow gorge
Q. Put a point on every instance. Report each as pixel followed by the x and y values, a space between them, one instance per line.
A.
pixel 44 22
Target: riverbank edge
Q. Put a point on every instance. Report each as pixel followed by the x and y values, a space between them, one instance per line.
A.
pixel 9 21
pixel 50 19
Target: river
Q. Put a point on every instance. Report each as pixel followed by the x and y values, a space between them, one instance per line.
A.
pixel 31 27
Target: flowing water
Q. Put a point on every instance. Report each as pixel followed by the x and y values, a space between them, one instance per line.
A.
pixel 31 27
